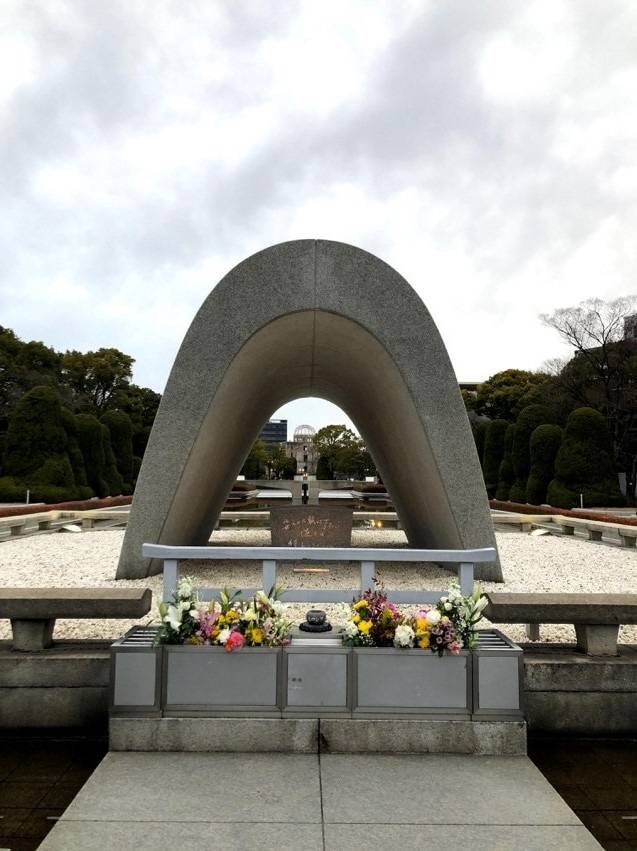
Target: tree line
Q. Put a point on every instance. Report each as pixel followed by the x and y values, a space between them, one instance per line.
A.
pixel 72 424
pixel 569 429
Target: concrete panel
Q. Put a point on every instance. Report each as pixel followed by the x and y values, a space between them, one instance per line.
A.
pixel 53 707
pixel 498 685
pixel 454 836
pixel 215 735
pixel 493 738
pixel 585 713
pixel 145 836
pixel 508 790
pixel 135 679
pixel 337 321
pixel 185 787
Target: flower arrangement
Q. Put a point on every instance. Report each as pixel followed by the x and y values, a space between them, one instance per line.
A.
pixel 229 622
pixel 372 620
pixel 450 625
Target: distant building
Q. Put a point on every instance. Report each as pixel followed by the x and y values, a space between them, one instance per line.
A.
pixel 301 447
pixel 274 431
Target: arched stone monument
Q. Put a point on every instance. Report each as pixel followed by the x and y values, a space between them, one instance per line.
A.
pixel 311 318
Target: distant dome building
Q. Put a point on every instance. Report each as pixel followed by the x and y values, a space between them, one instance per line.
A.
pixel 301 447
pixel 304 434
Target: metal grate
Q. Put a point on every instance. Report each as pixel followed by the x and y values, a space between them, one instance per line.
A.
pixel 493 639
pixel 140 636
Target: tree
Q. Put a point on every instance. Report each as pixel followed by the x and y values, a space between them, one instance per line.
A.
pixel 544 445
pixel 275 461
pixel 584 464
pixel 96 378
pixel 503 395
pixel 493 454
pixel 22 367
pixel 35 434
pixel 256 460
pixel 89 438
pixel 603 372
pixel 112 476
pixel 121 434
pixel 529 419
pixel 341 453
pixel 479 430
pixel 505 473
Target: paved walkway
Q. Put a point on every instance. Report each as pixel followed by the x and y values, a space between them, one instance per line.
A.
pixel 156 801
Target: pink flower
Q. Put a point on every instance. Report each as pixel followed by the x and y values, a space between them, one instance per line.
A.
pixel 455 647
pixel 235 641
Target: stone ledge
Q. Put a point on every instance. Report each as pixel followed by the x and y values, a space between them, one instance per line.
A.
pixel 548 668
pixel 582 713
pixel 69 664
pixel 423 736
pixel 53 707
pixel 309 735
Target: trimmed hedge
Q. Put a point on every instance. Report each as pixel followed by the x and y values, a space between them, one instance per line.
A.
pixel 584 464
pixel 505 473
pixel 528 420
pixel 120 430
pixel 504 505
pixel 89 438
pixel 493 453
pixel 35 434
pixel 544 446
pixel 479 435
pixel 74 505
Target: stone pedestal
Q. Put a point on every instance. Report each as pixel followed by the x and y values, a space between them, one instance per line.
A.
pixel 597 639
pixel 32 635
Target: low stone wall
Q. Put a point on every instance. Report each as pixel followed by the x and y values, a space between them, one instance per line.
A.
pixel 565 692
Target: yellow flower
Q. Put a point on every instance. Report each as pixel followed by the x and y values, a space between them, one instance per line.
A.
pixel 257 636
pixel 423 642
pixel 421 624
pixel 356 618
pixel 231 615
pixel 194 639
pixel 364 627
pixel 361 604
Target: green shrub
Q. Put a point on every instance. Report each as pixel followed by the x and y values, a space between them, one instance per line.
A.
pixel 479 430
pixel 584 464
pixel 137 465
pixel 112 476
pixel 35 434
pixel 528 420
pixel 323 470
pixel 12 490
pixel 505 473
pixel 120 429
pixel 89 438
pixel 545 443
pixel 493 454
pixel 73 448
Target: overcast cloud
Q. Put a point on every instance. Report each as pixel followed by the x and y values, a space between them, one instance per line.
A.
pixel 487 151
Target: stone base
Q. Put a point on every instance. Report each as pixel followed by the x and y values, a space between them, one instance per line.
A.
pixel 598 639
pixel 305 735
pixel 32 635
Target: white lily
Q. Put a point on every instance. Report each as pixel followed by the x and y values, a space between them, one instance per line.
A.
pixel 173 617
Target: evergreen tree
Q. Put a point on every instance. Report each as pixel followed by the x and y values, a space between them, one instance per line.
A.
pixel 121 433
pixel 545 443
pixel 493 454
pixel 505 473
pixel 89 438
pixel 529 419
pixel 584 464
pixel 112 476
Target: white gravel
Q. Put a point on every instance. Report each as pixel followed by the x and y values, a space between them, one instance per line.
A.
pixel 547 563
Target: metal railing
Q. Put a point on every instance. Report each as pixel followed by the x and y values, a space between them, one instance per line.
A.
pixel 270 557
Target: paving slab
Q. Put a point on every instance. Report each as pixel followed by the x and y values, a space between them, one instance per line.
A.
pixel 157 836
pixel 184 787
pixel 317 801
pixel 453 837
pixel 380 789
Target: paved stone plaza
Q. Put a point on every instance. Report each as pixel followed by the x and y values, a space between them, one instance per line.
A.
pixel 237 801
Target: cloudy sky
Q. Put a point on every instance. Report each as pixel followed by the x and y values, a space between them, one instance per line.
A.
pixel 486 150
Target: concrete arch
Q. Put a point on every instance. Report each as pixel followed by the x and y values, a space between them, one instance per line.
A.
pixel 311 318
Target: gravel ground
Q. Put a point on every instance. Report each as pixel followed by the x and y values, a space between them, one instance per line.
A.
pixel 529 563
